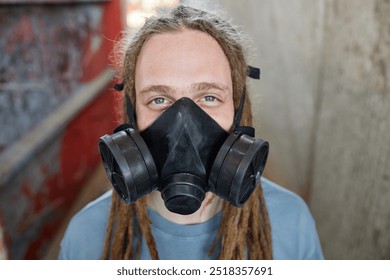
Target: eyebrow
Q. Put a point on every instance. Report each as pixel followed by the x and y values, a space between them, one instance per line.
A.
pixel 207 86
pixel 157 88
pixel 202 86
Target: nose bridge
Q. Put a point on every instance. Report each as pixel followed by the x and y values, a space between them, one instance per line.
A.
pixel 186 125
pixel 184 143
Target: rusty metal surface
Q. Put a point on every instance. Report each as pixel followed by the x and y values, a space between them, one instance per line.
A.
pixel 20 153
pixel 31 2
pixel 35 200
pixel 42 48
pixel 47 53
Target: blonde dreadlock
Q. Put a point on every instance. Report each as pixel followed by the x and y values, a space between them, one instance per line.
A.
pixel 244 233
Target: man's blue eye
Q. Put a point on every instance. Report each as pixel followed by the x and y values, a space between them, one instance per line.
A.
pixel 209 98
pixel 159 100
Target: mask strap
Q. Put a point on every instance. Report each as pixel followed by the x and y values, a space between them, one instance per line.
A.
pixel 130 111
pixel 129 105
pixel 253 72
pixel 238 115
pixel 119 87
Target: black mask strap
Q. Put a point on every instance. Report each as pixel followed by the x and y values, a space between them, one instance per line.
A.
pixel 240 109
pixel 253 72
pixel 119 87
pixel 130 111
pixel 129 105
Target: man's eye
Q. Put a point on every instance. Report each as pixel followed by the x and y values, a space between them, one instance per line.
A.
pixel 159 100
pixel 209 98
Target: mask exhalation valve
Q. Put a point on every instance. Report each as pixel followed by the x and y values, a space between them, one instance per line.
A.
pixel 183 193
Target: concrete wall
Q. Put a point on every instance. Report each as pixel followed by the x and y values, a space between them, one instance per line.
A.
pixel 351 167
pixel 286 47
pixel 324 104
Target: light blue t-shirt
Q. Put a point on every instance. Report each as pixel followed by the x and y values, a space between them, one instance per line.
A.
pixel 294 234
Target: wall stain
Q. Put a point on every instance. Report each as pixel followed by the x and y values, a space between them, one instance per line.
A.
pixel 41 65
pixel 380 56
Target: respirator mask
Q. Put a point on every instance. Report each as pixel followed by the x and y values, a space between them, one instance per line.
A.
pixel 183 154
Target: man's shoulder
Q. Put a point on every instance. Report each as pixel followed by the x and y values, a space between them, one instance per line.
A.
pixel 282 199
pixel 98 206
pixel 293 228
pixel 94 215
pixel 87 230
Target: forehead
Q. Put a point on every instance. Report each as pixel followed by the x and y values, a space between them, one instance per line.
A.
pixel 181 56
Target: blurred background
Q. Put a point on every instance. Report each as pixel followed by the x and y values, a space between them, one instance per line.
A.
pixel 323 103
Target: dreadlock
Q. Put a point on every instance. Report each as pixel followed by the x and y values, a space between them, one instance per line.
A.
pixel 244 233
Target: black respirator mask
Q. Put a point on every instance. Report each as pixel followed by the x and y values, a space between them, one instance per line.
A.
pixel 183 154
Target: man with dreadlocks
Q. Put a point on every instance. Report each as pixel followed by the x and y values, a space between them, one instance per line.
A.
pixel 186 167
